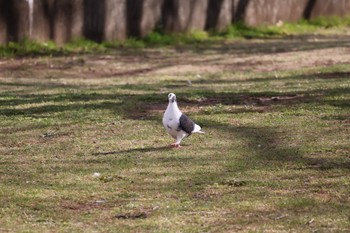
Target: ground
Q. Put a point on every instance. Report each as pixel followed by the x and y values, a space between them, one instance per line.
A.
pixel 83 148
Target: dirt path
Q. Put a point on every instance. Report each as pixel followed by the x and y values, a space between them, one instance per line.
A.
pixel 203 59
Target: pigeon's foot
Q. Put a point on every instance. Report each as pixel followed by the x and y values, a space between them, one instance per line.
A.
pixel 175 145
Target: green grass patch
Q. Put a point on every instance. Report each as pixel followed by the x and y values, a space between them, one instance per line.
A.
pixel 330 21
pixel 28 47
pixel 240 30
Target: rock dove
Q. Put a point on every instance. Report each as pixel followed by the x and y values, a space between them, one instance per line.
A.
pixel 177 124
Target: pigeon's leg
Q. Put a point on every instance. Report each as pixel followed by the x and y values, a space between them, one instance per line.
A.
pixel 179 139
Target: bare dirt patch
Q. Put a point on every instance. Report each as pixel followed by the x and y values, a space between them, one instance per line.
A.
pixel 236 56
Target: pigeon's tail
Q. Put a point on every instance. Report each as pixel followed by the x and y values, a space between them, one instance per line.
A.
pixel 197 129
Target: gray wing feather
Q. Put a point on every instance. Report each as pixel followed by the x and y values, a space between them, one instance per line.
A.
pixel 186 124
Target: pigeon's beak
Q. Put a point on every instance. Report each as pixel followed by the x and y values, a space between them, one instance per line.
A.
pixel 172 99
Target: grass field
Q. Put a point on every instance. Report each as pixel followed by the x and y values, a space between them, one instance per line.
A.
pixel 83 148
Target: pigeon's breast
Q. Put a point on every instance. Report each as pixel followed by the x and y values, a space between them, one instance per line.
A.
pixel 172 128
pixel 171 120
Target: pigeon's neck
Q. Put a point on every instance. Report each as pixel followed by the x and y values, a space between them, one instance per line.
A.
pixel 172 106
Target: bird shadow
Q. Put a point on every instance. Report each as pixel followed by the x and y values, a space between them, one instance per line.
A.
pixel 132 150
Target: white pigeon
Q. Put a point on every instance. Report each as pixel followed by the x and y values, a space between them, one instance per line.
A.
pixel 177 124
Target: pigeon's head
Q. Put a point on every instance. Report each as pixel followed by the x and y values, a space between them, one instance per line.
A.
pixel 172 97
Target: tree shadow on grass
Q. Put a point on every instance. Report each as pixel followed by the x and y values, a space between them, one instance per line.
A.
pixel 134 150
pixel 271 150
pixel 141 106
pixel 265 149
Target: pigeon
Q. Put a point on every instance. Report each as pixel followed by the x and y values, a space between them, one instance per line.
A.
pixel 177 124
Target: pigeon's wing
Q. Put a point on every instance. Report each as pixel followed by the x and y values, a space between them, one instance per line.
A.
pixel 186 124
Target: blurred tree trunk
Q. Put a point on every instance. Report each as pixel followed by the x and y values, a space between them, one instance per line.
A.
pixel 14 23
pixel 99 20
pixel 219 14
pixel 330 8
pixel 184 15
pixel 58 20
